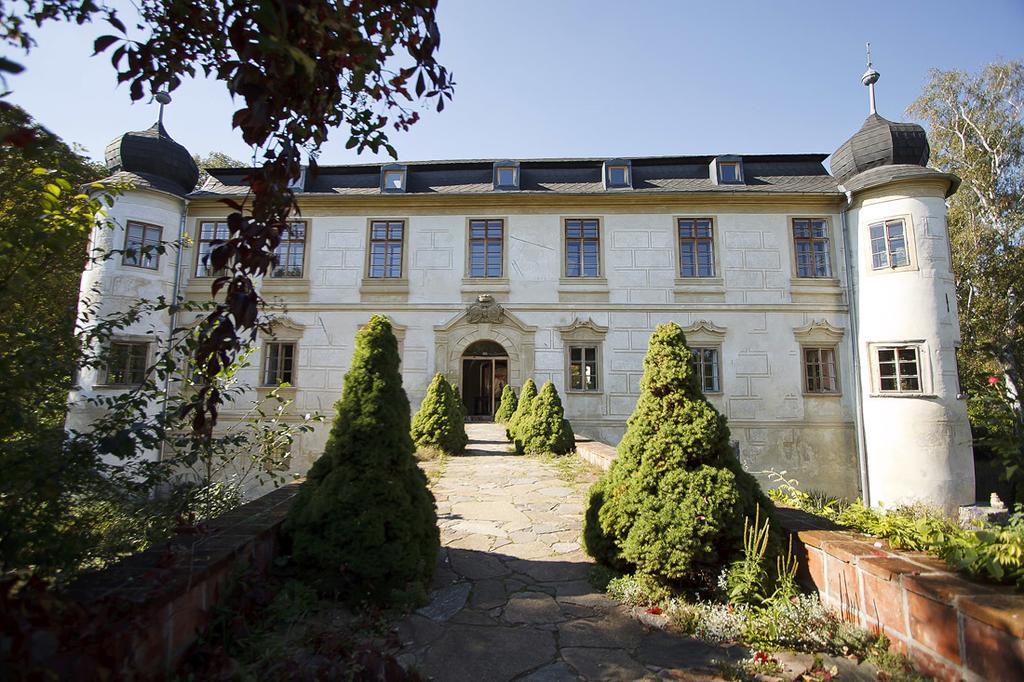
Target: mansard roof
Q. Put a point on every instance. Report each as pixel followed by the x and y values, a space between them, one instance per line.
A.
pixel 762 173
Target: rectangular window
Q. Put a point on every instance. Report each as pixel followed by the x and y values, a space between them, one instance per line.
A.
pixel 696 248
pixel 505 176
pixel 126 363
pixel 394 180
pixel 140 245
pixel 898 369
pixel 386 240
pixel 486 241
pixel 618 176
pixel 291 251
pixel 583 368
pixel 729 171
pixel 210 234
pixel 582 248
pixel 811 244
pixel 706 366
pixel 889 244
pixel 278 364
pixel 820 370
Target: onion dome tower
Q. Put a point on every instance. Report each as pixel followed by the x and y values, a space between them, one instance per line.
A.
pixel 916 436
pixel 149 212
pixel 152 159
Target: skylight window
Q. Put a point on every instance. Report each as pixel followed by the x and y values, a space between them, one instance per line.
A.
pixel 393 178
pixel 506 175
pixel 617 174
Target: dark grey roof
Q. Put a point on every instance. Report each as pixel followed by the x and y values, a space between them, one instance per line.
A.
pixel 152 155
pixel 799 173
pixel 144 181
pixel 881 175
pixel 880 142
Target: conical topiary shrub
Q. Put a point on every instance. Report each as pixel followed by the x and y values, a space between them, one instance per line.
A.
pixel 672 506
pixel 545 428
pixel 507 407
pixel 364 525
pixel 526 396
pixel 457 418
pixel 439 424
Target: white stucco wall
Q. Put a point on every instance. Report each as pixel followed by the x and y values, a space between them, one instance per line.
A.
pixel 918 445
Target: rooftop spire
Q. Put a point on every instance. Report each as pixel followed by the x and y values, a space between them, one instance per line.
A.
pixel 869 79
pixel 163 99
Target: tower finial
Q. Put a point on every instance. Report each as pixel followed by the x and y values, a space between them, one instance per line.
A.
pixel 869 79
pixel 163 98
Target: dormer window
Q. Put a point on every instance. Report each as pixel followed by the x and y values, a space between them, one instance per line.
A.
pixel 506 175
pixel 618 174
pixel 393 178
pixel 727 170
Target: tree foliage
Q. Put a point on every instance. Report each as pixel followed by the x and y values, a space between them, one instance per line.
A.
pixel 545 428
pixel 976 130
pixel 507 406
pixel 214 160
pixel 300 70
pixel 439 422
pixel 673 504
pixel 364 525
pixel 526 397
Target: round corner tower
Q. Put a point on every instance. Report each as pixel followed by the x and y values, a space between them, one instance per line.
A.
pixel 916 435
pixel 160 173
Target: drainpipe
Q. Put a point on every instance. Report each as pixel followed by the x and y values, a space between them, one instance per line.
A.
pixel 174 292
pixel 858 396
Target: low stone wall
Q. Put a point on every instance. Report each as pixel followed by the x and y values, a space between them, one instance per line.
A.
pixel 594 451
pixel 156 602
pixel 950 627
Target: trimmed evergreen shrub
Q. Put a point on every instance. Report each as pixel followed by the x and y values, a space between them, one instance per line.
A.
pixel 364 525
pixel 439 423
pixel 526 396
pixel 673 504
pixel 545 428
pixel 507 407
pixel 457 418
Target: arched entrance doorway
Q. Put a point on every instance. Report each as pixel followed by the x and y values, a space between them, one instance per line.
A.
pixel 484 375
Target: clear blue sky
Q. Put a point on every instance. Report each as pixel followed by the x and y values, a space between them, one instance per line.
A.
pixel 550 78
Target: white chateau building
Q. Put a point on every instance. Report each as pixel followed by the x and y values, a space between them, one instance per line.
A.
pixel 820 306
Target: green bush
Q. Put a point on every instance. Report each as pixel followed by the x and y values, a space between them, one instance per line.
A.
pixel 364 526
pixel 507 407
pixel 526 397
pixel 674 502
pixel 544 428
pixel 439 422
pixel 458 413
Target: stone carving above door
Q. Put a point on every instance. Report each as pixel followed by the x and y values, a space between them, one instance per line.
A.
pixel 485 311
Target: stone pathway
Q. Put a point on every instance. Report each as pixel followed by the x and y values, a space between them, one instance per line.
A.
pixel 512 600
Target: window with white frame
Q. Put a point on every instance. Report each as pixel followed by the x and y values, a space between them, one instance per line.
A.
pixel 729 172
pixel 279 363
pixel 291 251
pixel 126 363
pixel 696 247
pixel 505 177
pixel 141 244
pixel 898 369
pixel 889 244
pixel 706 366
pixel 393 179
pixel 210 235
pixel 811 246
pixel 583 368
pixel 820 374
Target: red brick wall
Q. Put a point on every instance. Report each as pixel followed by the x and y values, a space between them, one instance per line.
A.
pixel 950 627
pixel 156 602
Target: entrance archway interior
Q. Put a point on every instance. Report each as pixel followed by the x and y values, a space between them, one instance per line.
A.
pixel 484 375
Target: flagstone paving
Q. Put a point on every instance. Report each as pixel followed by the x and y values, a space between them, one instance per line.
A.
pixel 511 597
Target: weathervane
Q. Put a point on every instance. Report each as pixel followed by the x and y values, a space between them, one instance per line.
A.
pixel 869 79
pixel 163 98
